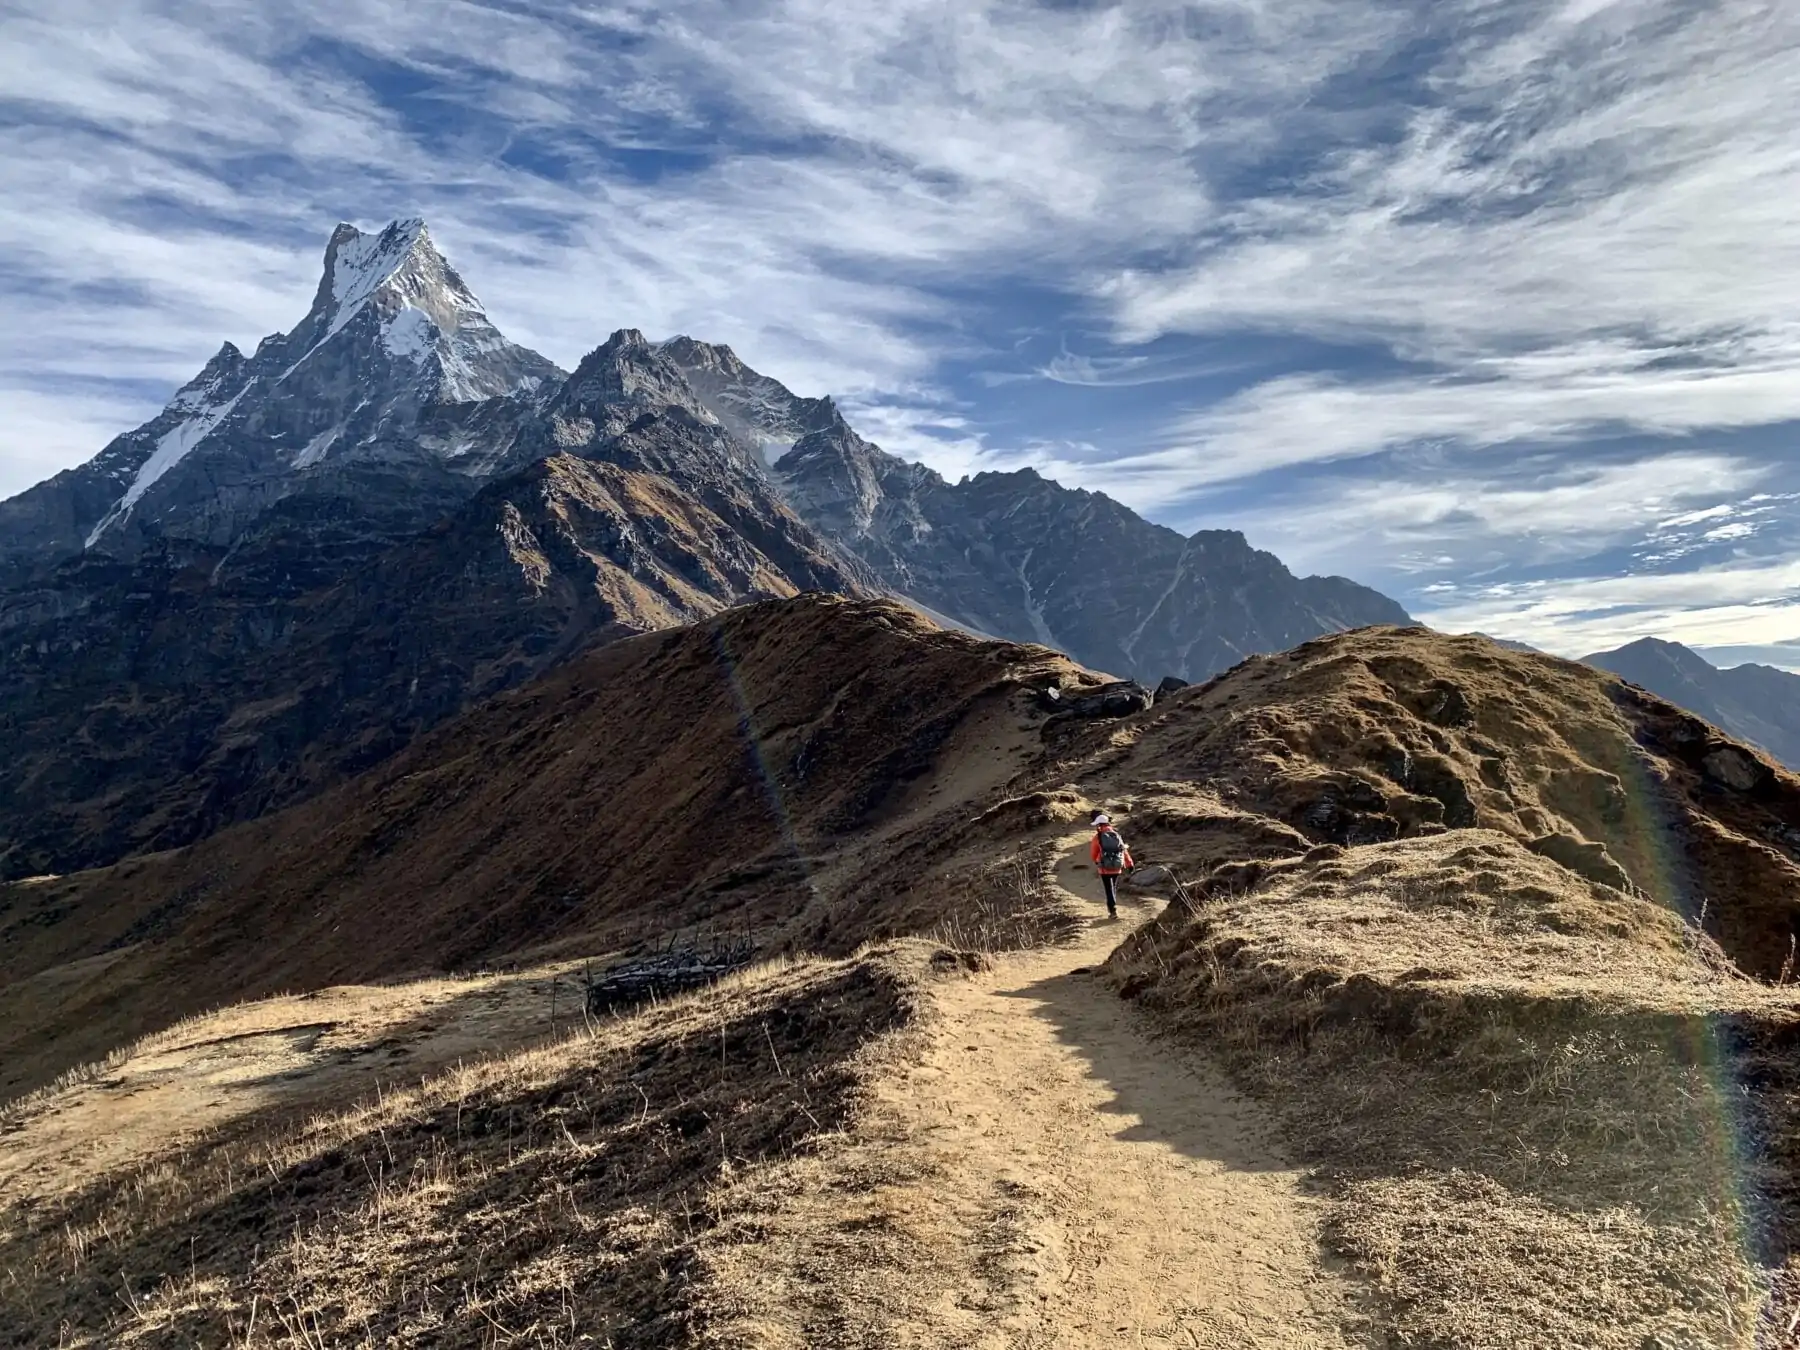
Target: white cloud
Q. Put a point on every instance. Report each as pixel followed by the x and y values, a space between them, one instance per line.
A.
pixel 1784 655
pixel 52 433
pixel 1695 517
pixel 1432 518
pixel 1749 603
pixel 861 155
pixel 1124 372
pixel 1620 173
pixel 1302 419
pixel 1589 226
pixel 1741 529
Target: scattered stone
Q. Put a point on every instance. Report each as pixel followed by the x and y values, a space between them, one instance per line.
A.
pixel 1147 876
pixel 1169 685
pixel 675 970
pixel 1493 773
pixel 946 960
pixel 1350 813
pixel 1447 705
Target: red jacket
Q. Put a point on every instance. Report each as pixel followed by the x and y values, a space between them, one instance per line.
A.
pixel 1094 853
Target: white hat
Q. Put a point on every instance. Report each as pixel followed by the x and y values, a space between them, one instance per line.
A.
pixel 1101 818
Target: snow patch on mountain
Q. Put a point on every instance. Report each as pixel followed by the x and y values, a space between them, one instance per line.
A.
pixel 173 447
pixel 1129 645
pixel 314 450
pixel 1034 609
pixel 410 334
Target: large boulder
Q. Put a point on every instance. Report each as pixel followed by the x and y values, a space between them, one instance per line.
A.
pixel 1735 767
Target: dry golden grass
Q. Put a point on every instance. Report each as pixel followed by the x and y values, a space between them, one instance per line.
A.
pixel 1552 1102
pixel 1517 1082
pixel 1549 1111
pixel 557 1196
pixel 760 772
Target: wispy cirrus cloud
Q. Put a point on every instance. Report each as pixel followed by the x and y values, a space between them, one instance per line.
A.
pixel 1495 402
pixel 1576 225
pixel 1394 274
pixel 801 179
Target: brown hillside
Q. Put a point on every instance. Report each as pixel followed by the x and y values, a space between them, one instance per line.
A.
pixel 733 774
pixel 1510 944
pixel 1387 734
pixel 147 706
pixel 1502 944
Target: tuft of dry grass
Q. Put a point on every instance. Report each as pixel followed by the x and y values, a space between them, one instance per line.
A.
pixel 1010 904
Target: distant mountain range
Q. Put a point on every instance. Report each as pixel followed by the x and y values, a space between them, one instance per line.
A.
pixel 1015 555
pixel 1756 703
pixel 322 548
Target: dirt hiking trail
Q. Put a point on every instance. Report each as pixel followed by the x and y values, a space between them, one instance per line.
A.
pixel 1040 1173
pixel 1155 1211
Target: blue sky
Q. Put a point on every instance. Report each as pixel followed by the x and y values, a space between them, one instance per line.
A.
pixel 1493 304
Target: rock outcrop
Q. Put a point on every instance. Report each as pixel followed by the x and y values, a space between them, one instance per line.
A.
pixel 1121 698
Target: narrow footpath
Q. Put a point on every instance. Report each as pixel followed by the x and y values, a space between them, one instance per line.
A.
pixel 1131 1197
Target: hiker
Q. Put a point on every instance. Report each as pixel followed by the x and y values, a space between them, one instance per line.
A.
pixel 1111 859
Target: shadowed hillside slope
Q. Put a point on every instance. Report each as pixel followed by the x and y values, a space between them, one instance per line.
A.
pixel 145 706
pixel 733 773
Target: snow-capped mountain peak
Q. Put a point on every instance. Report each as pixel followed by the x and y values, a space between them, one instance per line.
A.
pixel 399 268
pixel 420 308
pixel 358 264
pixel 388 366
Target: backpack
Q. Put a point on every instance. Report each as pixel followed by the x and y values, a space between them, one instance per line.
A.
pixel 1112 850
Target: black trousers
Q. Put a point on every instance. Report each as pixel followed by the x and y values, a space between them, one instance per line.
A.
pixel 1112 892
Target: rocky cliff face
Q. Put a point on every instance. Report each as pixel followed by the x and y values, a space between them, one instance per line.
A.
pixel 1757 703
pixel 1018 556
pixel 756 408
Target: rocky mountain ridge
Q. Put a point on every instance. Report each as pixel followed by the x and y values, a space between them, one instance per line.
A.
pixel 1018 556
pixel 1757 703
